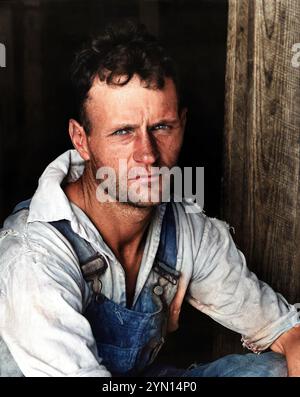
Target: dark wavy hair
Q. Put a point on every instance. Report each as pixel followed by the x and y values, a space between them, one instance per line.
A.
pixel 123 49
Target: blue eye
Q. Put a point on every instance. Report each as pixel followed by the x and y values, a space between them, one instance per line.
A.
pixel 121 132
pixel 161 127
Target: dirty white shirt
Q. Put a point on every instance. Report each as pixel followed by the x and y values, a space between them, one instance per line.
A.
pixel 43 295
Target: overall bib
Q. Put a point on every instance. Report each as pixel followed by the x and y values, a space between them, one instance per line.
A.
pixel 128 340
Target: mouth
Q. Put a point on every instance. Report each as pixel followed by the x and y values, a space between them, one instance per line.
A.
pixel 146 178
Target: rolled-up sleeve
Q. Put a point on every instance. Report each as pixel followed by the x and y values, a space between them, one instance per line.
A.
pixel 225 289
pixel 41 318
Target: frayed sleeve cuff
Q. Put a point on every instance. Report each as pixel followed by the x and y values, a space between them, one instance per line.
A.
pixel 263 339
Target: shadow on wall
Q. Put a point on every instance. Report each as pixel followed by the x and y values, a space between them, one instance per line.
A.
pixel 35 103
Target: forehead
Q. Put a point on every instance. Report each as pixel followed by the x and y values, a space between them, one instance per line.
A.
pixel 130 101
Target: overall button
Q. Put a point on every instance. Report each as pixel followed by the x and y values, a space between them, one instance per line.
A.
pixel 158 290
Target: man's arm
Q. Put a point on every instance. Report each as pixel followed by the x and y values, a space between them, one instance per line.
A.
pixel 288 344
pixel 224 288
pixel 41 317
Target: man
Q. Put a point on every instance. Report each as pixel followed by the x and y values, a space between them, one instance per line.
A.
pixel 90 287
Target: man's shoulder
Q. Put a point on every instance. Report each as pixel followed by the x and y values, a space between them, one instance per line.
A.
pixel 36 250
pixel 19 237
pixel 12 235
pixel 189 212
pixel 16 221
pixel 17 230
pixel 191 217
pixel 14 248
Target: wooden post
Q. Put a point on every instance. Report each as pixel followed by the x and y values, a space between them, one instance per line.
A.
pixel 262 143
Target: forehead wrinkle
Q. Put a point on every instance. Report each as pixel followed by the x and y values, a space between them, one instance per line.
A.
pixel 131 104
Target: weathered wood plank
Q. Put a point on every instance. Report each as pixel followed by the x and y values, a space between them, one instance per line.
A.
pixel 262 142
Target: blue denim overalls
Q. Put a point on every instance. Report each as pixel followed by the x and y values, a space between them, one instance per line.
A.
pixel 128 340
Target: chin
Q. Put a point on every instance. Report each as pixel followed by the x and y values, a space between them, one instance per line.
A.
pixel 144 204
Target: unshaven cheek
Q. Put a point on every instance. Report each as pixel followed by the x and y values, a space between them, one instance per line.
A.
pixel 171 154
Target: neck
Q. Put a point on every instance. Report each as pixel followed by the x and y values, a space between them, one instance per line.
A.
pixel 122 226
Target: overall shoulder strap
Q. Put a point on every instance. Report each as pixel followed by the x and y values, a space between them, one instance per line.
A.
pixel 92 263
pixel 166 257
pixel 23 205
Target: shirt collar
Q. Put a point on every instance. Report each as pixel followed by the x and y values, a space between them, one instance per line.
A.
pixel 49 203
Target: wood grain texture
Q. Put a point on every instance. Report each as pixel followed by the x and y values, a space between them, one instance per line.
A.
pixel 262 143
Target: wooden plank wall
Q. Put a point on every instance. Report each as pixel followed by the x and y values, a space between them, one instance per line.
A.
pixel 261 191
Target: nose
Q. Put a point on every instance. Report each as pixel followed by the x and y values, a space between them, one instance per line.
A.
pixel 145 150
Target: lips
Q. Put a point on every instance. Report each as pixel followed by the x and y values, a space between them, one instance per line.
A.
pixel 145 178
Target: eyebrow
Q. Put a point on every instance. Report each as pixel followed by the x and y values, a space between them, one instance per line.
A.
pixel 165 121
pixel 135 126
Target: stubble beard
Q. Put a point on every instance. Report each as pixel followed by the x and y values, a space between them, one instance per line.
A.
pixel 93 166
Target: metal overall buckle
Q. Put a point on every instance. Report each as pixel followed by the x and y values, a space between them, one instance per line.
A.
pixel 168 273
pixel 92 270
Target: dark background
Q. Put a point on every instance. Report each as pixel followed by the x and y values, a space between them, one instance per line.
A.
pixel 41 36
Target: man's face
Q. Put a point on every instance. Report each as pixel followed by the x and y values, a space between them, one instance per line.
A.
pixel 140 126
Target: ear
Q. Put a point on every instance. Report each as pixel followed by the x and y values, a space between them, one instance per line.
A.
pixel 79 139
pixel 183 113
